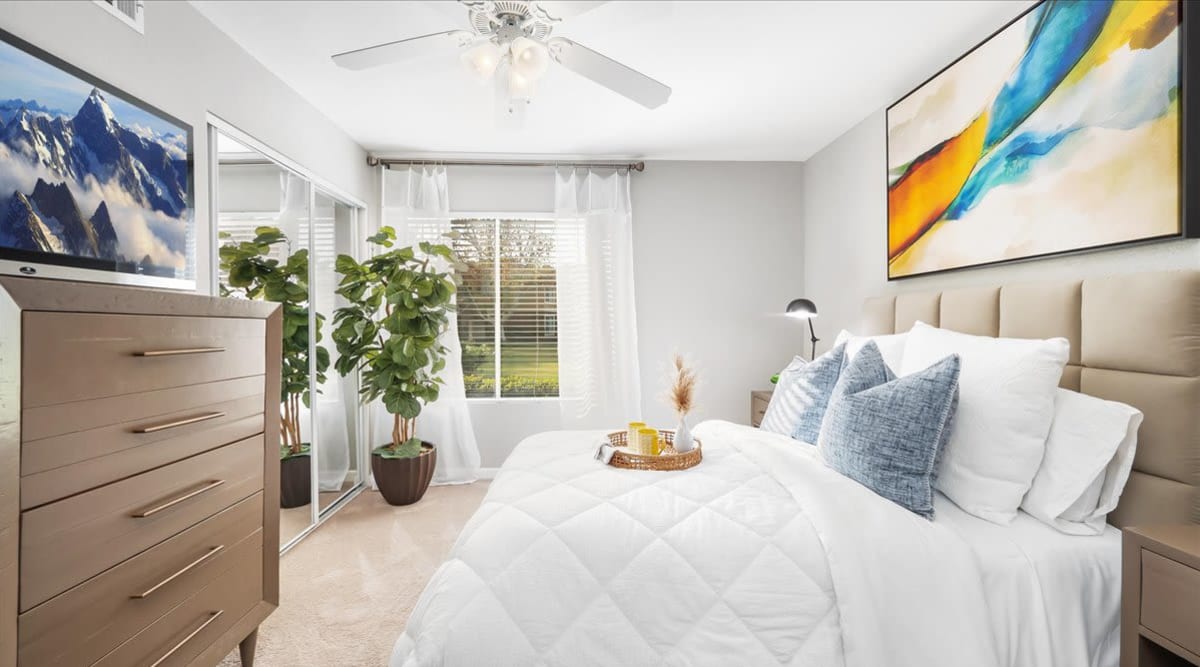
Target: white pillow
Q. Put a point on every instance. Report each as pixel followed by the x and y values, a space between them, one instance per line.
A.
pixel 1006 404
pixel 1088 457
pixel 891 346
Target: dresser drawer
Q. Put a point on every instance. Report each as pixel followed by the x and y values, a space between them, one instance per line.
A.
pixel 1171 600
pixel 66 542
pixel 70 357
pixel 67 449
pixel 187 630
pixel 85 623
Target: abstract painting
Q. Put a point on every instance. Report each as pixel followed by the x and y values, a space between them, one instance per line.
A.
pixel 1061 132
pixel 89 176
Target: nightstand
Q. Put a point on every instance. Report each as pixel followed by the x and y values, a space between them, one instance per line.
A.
pixel 1160 596
pixel 758 405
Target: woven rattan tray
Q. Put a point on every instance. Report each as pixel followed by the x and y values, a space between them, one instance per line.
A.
pixel 668 460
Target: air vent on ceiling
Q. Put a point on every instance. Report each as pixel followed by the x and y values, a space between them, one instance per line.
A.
pixel 130 12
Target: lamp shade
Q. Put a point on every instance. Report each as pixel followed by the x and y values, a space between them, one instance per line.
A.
pixel 482 59
pixel 802 308
pixel 529 58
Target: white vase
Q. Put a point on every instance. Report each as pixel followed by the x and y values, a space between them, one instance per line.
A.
pixel 684 442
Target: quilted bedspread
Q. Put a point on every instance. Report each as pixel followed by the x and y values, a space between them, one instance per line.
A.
pixel 760 555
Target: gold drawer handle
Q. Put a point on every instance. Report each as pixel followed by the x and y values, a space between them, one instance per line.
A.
pixel 175 501
pixel 175 353
pixel 209 554
pixel 211 617
pixel 179 422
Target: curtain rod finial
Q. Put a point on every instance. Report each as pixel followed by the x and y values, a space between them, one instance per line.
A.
pixel 372 161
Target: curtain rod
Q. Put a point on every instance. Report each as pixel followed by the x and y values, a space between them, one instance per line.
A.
pixel 373 161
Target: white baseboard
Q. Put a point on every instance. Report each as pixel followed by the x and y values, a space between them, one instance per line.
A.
pixel 488 473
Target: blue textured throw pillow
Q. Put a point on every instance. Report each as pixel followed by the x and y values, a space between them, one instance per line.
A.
pixel 888 433
pixel 797 407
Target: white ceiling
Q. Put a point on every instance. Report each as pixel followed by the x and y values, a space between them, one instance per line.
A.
pixel 751 80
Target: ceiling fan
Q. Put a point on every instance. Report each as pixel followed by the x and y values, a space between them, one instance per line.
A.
pixel 510 41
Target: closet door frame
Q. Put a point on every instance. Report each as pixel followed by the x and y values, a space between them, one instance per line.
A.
pixel 360 221
pixel 359 446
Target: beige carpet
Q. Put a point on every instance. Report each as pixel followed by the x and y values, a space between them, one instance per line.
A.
pixel 347 589
pixel 294 520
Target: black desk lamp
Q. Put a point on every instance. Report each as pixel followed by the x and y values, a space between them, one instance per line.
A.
pixel 806 310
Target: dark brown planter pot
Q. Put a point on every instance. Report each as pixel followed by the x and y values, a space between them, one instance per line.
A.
pixel 404 481
pixel 295 481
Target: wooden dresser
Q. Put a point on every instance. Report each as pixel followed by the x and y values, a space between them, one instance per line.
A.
pixel 139 474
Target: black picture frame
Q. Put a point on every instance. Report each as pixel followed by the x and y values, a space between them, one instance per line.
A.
pixel 1189 154
pixel 106 270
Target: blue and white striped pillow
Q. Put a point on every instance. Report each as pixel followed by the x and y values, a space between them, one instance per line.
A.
pixel 798 405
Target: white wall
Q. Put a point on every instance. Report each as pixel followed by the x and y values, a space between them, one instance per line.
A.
pixel 717 254
pixel 187 67
pixel 845 218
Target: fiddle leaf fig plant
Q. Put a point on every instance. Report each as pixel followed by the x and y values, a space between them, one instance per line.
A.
pixel 399 304
pixel 254 274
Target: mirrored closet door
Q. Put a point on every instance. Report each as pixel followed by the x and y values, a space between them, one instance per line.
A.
pixel 333 233
pixel 277 238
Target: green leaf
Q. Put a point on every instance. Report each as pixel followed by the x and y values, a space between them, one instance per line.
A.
pixel 397 306
pixel 409 449
pixel 285 452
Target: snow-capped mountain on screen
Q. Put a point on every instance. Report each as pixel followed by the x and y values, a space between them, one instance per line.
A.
pixel 49 220
pixel 94 143
pixel 9 108
pixel 134 182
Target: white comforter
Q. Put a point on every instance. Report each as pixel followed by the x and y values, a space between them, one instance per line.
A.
pixel 758 556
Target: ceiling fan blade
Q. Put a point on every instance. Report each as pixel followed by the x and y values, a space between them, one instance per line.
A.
pixel 439 43
pixel 609 73
pixel 557 11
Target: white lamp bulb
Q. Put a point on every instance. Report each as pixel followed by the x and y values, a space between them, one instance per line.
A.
pixel 530 58
pixel 482 59
pixel 519 85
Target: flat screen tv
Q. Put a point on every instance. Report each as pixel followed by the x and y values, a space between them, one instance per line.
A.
pixel 95 184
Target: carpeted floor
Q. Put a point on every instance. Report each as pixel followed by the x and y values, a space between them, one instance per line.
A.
pixel 347 589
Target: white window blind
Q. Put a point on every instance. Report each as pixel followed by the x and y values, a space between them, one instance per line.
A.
pixel 240 228
pixel 507 306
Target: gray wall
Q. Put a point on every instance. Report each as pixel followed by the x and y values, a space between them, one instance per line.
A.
pixel 845 214
pixel 185 66
pixel 717 256
pixel 718 250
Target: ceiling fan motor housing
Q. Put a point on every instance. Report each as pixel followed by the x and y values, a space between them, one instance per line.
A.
pixel 507 20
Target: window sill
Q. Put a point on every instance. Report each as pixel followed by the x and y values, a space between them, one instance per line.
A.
pixel 516 399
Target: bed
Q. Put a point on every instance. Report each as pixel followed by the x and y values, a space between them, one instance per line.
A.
pixel 763 555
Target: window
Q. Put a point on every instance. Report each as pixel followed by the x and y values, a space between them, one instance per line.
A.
pixel 508 306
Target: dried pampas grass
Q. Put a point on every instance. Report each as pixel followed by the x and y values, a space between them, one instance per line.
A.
pixel 681 395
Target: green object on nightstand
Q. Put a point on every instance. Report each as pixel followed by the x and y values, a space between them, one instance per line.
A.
pixel 775 379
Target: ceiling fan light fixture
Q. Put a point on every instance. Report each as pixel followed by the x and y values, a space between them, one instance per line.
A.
pixel 511 43
pixel 482 59
pixel 530 58
pixel 520 86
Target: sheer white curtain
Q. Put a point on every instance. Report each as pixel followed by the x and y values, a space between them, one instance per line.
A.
pixel 416 203
pixel 333 454
pixel 599 382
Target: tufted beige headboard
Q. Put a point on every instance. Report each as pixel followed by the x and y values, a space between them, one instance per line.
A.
pixel 1134 339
